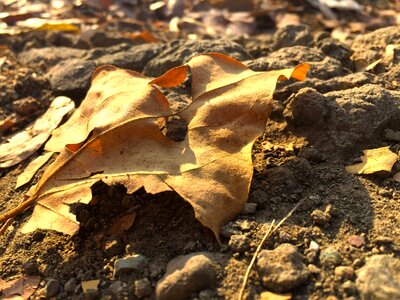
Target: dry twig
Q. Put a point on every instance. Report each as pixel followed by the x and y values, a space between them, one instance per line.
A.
pixel 269 232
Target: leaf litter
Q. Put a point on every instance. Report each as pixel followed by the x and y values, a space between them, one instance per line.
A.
pixel 22 145
pixel 114 137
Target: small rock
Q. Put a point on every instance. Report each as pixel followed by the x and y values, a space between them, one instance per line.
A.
pixel 49 56
pixel 349 287
pixel 249 208
pixel 293 35
pixel 26 106
pixel 87 275
pixel 229 229
pixel 392 135
pixel 136 262
pixel 113 246
pixel 313 246
pixel 356 241
pixel 116 288
pixel 92 295
pixel 142 288
pixel 30 267
pixel 245 225
pixel 70 285
pixel 51 288
pixel 344 273
pixel 330 257
pixel 282 269
pixel 133 58
pixel 206 295
pixel 313 269
pixel 38 235
pixel 71 77
pixel 186 275
pixel 379 278
pixel 320 217
pixel 239 243
pixel 383 240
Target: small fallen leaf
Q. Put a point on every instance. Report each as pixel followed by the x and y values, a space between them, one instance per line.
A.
pixel 7 123
pixel 90 285
pixel 267 295
pixel 49 25
pixel 21 288
pixel 23 144
pixel 121 224
pixel 32 168
pixel 374 160
pixel 114 137
pixel 145 35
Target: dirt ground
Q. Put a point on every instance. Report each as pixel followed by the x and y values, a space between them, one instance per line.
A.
pixel 317 128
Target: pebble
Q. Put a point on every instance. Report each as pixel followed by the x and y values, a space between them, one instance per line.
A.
pixel 349 287
pixel 70 285
pixel 239 243
pixel 320 217
pixel 379 278
pixel 142 288
pixel 51 288
pixel 116 288
pixel 228 230
pixel 356 241
pixel 185 275
pixel 313 246
pixel 249 208
pixel 282 269
pixel 30 267
pixel 245 225
pixel 330 257
pixel 344 273
pixel 136 262
pixel 26 106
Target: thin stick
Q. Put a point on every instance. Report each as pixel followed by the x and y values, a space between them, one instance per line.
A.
pixel 269 232
pixel 16 211
pixel 5 226
pixel 253 260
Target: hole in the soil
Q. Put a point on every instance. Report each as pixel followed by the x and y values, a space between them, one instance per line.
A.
pixel 174 128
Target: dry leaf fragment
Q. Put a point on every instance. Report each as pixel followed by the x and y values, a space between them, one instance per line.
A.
pixel 122 224
pixel 32 168
pixel 23 144
pixel 267 295
pixel 374 160
pixel 114 137
pixel 90 285
pixel 21 288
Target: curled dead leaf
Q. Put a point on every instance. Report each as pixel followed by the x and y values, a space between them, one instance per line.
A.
pixel 114 137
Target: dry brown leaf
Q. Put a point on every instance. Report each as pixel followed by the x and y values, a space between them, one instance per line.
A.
pixel 374 160
pixel 32 168
pixel 114 137
pixel 7 123
pixel 23 144
pixel 145 35
pixel 121 224
pixel 21 288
